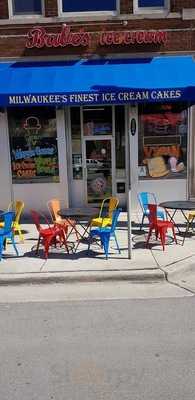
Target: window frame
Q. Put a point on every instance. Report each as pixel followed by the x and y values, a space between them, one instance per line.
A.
pixel 151 10
pixel 19 16
pixel 61 13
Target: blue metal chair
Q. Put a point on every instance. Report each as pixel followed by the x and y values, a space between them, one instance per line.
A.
pixel 106 233
pixel 144 199
pixel 7 231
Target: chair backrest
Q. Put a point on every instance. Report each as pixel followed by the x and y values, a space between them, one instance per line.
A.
pixel 17 206
pixel 8 218
pixel 108 206
pixel 146 198
pixel 152 216
pixel 53 207
pixel 115 216
pixel 36 219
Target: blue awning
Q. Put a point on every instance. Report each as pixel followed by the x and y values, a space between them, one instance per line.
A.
pixel 77 82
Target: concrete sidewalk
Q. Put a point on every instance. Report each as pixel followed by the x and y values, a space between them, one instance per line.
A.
pixel 146 264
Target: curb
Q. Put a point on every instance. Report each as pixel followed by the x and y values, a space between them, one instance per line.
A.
pixel 179 268
pixel 141 276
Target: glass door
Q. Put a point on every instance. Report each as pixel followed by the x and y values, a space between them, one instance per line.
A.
pixel 98 169
pixel 98 153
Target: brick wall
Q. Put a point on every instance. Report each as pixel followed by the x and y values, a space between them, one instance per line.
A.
pixel 126 7
pixel 181 34
pixel 181 38
pixel 178 5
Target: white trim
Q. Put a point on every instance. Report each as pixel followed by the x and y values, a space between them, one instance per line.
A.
pixel 188 13
pixel 19 16
pixel 61 128
pixel 88 13
pixel 116 19
pixel 151 10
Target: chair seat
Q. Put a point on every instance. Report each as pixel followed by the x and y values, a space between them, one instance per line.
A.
pixel 49 231
pixel 191 215
pixel 162 224
pixel 98 232
pixel 101 222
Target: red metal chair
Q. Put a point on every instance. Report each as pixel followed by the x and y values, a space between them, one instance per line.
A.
pixel 160 227
pixel 50 235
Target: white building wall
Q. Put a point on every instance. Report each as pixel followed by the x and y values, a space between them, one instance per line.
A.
pixel 5 171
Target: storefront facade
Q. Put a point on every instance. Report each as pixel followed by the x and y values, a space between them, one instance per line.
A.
pixel 82 145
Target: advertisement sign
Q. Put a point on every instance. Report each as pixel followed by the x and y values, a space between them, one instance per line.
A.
pixel 34 153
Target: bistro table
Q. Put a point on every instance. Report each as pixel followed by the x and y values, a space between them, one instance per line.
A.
pixel 181 206
pixel 82 216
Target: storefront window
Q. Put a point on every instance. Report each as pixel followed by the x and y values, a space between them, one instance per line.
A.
pixel 97 121
pixel 76 143
pixel 33 145
pixel 163 141
pixel 27 7
pixel 88 5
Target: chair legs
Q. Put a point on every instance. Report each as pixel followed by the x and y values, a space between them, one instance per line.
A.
pixel 1 248
pixel 14 245
pixel 142 222
pixel 117 245
pixel 48 240
pixel 189 223
pixel 162 234
pixel 38 243
pixel 2 244
pixel 105 241
pixel 17 228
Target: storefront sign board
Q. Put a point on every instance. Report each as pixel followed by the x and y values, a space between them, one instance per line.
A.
pixel 121 97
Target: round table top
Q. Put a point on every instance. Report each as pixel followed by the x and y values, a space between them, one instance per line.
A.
pixel 179 205
pixel 87 212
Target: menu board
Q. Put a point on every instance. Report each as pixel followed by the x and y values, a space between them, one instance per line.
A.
pixel 33 145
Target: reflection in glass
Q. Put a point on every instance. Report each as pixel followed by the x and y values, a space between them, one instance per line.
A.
pixel 97 121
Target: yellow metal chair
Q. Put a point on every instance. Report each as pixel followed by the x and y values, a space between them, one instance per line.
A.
pixel 16 206
pixel 105 215
pixel 190 220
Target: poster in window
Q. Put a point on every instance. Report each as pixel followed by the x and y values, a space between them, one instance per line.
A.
pixel 33 145
pixel 163 132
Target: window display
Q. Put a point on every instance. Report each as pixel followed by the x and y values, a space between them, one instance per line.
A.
pixel 163 141
pixel 33 145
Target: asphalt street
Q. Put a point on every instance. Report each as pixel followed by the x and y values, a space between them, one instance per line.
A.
pixel 87 349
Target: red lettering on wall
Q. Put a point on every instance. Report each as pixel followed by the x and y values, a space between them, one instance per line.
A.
pixel 39 37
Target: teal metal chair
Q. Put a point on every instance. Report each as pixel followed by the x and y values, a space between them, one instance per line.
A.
pixel 7 231
pixel 105 234
pixel 144 199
